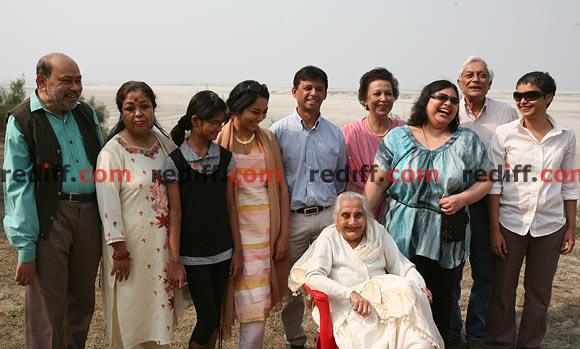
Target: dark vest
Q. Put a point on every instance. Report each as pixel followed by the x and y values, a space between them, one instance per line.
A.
pixel 46 155
pixel 205 229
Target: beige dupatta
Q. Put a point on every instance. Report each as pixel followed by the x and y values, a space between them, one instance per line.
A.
pixel 279 271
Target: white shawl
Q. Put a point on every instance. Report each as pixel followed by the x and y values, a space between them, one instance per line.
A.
pixel 402 315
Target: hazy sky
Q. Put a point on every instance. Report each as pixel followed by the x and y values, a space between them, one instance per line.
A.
pixel 224 42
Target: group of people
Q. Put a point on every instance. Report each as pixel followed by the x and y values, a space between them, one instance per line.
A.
pixel 239 218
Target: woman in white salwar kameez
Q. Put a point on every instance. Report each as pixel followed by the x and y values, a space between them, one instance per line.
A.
pixel 377 298
pixel 140 304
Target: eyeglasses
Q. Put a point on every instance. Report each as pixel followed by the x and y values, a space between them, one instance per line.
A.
pixel 215 123
pixel 444 98
pixel 528 95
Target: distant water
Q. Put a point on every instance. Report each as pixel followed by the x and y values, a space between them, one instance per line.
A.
pixel 341 106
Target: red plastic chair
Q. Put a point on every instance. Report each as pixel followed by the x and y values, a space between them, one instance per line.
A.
pixel 325 338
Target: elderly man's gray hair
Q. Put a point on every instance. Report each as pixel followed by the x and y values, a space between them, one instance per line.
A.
pixel 472 59
pixel 349 195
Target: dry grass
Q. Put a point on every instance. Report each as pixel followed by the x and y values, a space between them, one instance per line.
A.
pixel 12 314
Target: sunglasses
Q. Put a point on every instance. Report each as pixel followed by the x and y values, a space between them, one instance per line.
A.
pixel 528 96
pixel 444 98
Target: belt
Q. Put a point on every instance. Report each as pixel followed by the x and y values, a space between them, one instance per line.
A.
pixel 78 197
pixel 309 210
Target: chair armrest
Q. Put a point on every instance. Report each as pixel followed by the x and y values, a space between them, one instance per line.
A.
pixel 317 295
pixel 326 331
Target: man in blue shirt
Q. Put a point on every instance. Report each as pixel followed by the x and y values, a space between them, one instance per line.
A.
pixel 314 156
pixel 51 213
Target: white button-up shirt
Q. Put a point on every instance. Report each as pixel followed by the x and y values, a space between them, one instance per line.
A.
pixel 534 204
pixel 492 115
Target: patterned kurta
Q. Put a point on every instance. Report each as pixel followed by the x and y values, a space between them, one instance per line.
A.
pixel 135 210
pixel 422 177
pixel 252 288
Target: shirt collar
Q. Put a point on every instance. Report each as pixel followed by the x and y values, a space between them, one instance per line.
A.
pixel 213 152
pixel 36 104
pixel 298 119
pixel 470 113
pixel 557 127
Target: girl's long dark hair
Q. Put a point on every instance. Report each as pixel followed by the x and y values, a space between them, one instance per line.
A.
pixel 205 104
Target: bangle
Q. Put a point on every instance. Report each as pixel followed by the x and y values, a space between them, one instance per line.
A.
pixel 123 257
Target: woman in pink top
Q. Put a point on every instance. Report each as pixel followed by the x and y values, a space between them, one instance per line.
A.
pixel 377 92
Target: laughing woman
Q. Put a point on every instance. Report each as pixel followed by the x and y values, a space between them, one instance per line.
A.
pixel 423 166
pixel 261 197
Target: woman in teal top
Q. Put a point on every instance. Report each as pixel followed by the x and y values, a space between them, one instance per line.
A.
pixel 429 170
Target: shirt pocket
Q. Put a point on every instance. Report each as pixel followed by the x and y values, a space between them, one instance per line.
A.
pixel 327 155
pixel 554 157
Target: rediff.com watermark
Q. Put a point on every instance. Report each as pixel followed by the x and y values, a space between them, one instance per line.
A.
pixel 503 173
pixel 48 174
pixel 523 173
pixel 366 172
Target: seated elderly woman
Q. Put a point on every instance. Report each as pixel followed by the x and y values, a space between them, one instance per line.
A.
pixel 377 298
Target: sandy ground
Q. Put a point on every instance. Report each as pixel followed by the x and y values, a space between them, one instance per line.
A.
pixel 340 107
pixel 563 320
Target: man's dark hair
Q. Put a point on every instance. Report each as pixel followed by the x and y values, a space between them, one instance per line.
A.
pixel 310 73
pixel 44 66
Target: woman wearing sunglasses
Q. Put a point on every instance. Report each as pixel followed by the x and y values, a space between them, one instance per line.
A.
pixel 537 215
pixel 429 169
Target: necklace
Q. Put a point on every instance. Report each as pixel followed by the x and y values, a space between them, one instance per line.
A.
pixel 375 132
pixel 248 141
pixel 425 137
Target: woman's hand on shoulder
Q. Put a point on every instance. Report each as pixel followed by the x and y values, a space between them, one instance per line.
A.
pixel 176 274
pixel 360 305
pixel 237 264
pixel 451 204
pixel 427 293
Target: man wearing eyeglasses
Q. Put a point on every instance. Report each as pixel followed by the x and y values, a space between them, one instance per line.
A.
pixel 482 115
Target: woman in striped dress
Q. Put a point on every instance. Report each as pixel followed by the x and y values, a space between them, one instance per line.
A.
pixel 263 212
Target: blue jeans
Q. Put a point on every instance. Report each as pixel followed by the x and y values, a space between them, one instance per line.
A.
pixel 480 259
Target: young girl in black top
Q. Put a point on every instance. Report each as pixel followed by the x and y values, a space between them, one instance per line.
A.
pixel 204 242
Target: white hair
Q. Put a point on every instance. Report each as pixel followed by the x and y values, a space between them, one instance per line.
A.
pixel 349 195
pixel 472 59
